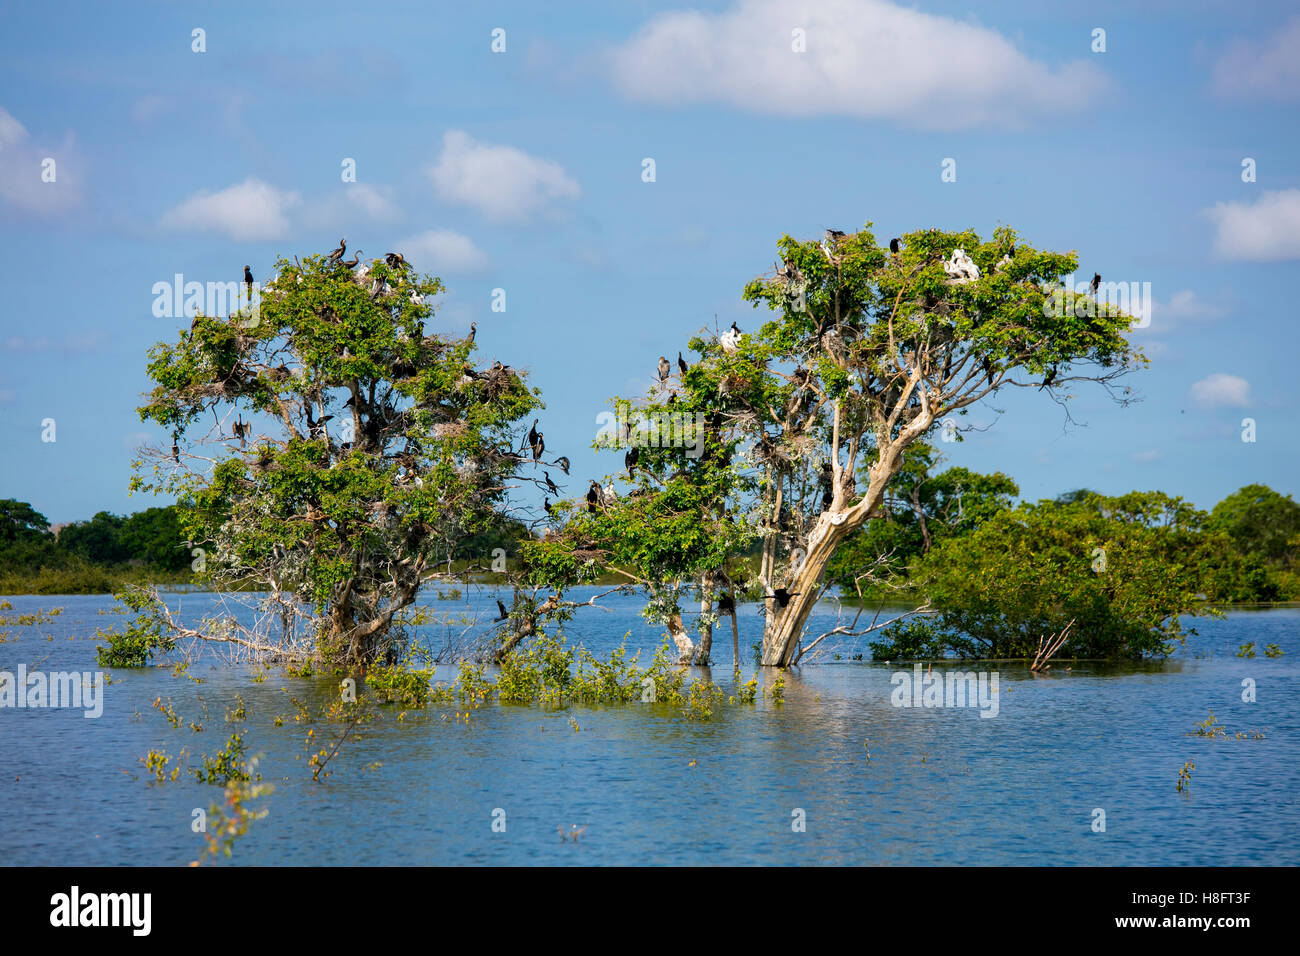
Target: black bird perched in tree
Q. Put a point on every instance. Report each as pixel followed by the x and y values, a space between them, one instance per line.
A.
pixel 988 370
pixel 395 260
pixel 352 263
pixel 593 496
pixel 248 280
pixel 550 485
pixel 562 463
pixel 337 254
pixel 1096 283
pixel 630 459
pixel 176 451
pixel 835 235
pixel 237 428
pixel 681 363
pixel 538 446
pixel 473 331
pixel 501 610
pixel 1049 379
pixel 664 369
pixel 532 433
pixel 783 596
pixel 893 247
pixel 313 426
pixel 726 604
pixel 546 505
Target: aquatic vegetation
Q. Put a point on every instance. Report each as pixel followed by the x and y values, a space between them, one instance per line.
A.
pixel 1210 727
pixel 353 713
pixel 397 685
pixel 1246 650
pixel 1185 776
pixel 29 620
pixel 166 709
pixel 239 713
pixel 1272 650
pixel 228 821
pixel 228 764
pixel 134 644
pixel 157 761
pixel 777 690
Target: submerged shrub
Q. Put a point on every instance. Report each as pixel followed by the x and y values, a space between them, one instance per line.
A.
pixel 135 644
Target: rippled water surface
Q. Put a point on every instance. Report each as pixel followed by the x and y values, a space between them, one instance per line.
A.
pixel 942 786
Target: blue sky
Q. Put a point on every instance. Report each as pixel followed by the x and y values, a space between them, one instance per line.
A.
pixel 521 170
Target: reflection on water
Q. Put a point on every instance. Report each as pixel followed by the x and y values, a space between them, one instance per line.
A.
pixel 932 786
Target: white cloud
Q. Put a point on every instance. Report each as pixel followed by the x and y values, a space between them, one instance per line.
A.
pixel 1266 231
pixel 250 211
pixel 350 202
pixel 1221 391
pixel 1268 69
pixel 500 181
pixel 21 167
pixel 1181 308
pixel 864 58
pixel 149 107
pixel 443 251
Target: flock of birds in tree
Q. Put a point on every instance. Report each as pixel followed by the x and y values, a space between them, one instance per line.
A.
pixel 959 267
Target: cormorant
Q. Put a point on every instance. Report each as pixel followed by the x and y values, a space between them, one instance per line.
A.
pixel 550 485
pixel 783 596
pixel 664 369
pixel 681 363
pixel 501 609
pixel 562 463
pixel 337 254
pixel 1096 283
pixel 893 247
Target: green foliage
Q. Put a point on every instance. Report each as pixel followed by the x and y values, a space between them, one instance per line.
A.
pixel 228 766
pixel 921 509
pixel 347 515
pixel 408 688
pixel 135 643
pixel 1124 569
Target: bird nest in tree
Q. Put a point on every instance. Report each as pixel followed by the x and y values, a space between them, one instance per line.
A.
pixel 450 430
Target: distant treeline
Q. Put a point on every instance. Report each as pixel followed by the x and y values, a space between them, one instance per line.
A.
pixel 99 555
pixel 88 557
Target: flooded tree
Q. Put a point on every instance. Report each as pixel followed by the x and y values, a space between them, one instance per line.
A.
pixel 330 450
pixel 870 350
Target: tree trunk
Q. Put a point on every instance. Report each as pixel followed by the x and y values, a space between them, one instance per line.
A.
pixel 785 624
pixel 677 631
pixel 705 648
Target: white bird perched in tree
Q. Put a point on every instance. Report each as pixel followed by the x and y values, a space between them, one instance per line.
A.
pixel 730 339
pixel 610 494
pixel 961 268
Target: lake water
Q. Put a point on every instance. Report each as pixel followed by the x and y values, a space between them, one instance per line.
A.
pixel 942 785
